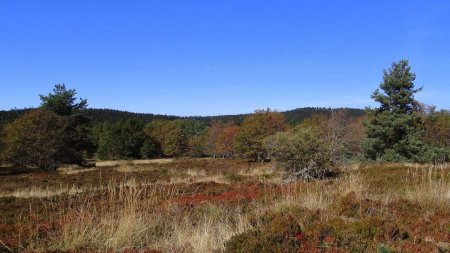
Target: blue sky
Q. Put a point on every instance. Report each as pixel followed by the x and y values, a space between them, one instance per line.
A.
pixel 220 57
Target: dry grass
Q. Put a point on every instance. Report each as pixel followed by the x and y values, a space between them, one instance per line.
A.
pixel 352 183
pixel 208 234
pixel 72 170
pixel 133 162
pixel 268 169
pixel 134 211
pixel 315 199
pixel 134 214
pixel 196 173
pixel 319 195
pixel 429 187
pixel 123 219
pixel 354 166
pixel 220 179
pixel 36 192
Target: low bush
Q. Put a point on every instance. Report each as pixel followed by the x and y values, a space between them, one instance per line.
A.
pixel 277 234
pixel 302 153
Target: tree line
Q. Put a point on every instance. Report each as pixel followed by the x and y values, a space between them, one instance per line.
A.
pixel 102 115
pixel 401 129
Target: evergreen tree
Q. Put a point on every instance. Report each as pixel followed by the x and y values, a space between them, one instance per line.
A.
pixel 393 130
pixel 150 149
pixel 62 101
pixel 77 132
pixel 122 139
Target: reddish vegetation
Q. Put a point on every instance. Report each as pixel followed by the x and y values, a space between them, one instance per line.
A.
pixel 141 251
pixel 246 193
pixel 350 223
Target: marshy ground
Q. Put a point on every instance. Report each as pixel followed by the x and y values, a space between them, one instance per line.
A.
pixel 218 205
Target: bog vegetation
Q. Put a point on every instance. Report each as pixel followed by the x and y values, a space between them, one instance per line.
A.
pixel 336 181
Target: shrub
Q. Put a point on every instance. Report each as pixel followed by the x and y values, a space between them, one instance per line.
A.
pixel 302 153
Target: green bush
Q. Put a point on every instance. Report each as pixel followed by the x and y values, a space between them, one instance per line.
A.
pixel 303 153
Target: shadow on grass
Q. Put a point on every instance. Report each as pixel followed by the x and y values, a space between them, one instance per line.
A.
pixel 330 174
pixel 14 170
pixel 10 170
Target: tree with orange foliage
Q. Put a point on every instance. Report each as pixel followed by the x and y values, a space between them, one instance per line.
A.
pixel 226 141
pixel 256 127
pixel 214 131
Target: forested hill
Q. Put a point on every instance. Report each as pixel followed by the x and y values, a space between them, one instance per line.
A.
pixel 292 116
pixel 100 115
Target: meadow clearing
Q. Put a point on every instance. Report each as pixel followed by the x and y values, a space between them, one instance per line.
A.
pixel 220 205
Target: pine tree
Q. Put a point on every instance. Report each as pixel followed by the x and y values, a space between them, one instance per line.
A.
pixel 77 133
pixel 62 101
pixel 393 130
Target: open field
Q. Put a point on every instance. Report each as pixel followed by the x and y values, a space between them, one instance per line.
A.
pixel 217 205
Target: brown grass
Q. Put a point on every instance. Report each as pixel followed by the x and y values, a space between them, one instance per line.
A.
pixel 36 192
pixel 197 205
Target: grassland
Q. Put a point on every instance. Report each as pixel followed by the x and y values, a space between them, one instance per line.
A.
pixel 217 205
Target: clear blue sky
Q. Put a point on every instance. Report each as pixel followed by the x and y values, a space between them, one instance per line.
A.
pixel 220 57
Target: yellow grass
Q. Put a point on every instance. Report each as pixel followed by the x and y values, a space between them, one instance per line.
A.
pixel 208 235
pixel 429 187
pixel 71 171
pixel 133 162
pixel 220 179
pixel 353 183
pixel 37 192
pixel 135 213
pixel 131 215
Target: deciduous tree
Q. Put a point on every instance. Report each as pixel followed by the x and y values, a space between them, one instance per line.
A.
pixel 256 127
pixel 176 143
pixel 170 136
pixel 214 131
pixel 36 140
pixel 226 141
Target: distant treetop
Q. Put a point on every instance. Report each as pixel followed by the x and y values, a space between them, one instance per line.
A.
pixel 62 101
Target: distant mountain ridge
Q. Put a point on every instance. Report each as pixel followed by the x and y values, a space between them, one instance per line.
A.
pixel 101 115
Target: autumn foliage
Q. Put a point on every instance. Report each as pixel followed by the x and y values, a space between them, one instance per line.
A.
pixel 35 139
pixel 226 141
pixel 256 127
